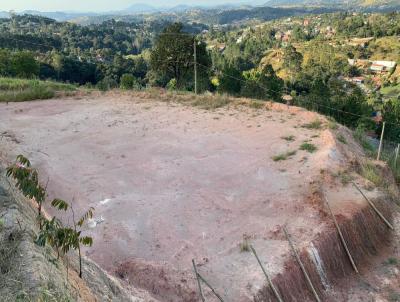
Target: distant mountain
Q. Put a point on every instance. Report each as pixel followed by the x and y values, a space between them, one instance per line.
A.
pixel 140 8
pixel 58 16
pixel 4 14
pixel 179 8
pixel 219 14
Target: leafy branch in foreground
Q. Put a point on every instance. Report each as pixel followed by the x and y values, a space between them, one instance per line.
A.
pixel 53 232
pixel 73 236
pixel 27 181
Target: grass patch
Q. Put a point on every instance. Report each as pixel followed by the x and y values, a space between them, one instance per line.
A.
pixel 256 104
pixel 391 261
pixel 20 90
pixel 344 176
pixel 370 172
pixel 283 156
pixel 209 102
pixel 315 124
pixel 342 139
pixel 289 138
pixel 308 147
pixel 360 137
pixel 332 124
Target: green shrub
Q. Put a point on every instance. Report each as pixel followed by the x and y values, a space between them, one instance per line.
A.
pixel 127 81
pixel 107 83
pixel 172 84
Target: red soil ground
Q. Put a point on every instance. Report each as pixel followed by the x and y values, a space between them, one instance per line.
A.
pixel 170 183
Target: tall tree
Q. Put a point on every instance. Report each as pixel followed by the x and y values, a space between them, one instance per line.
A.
pixel 292 59
pixel 172 55
pixel 262 84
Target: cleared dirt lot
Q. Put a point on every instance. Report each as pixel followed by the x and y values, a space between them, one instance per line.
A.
pixel 170 183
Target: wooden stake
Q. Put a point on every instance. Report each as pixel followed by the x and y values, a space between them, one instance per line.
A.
pixel 301 265
pixel 198 281
pixel 210 287
pixel 380 142
pixel 341 236
pixel 374 207
pixel 276 293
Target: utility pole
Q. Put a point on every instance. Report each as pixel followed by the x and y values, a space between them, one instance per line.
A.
pixel 380 142
pixel 195 65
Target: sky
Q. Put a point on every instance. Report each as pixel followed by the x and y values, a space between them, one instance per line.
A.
pixel 96 5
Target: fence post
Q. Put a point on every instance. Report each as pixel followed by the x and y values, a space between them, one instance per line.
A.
pixel 397 155
pixel 380 142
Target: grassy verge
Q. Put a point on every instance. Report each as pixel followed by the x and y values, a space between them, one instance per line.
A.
pixel 20 90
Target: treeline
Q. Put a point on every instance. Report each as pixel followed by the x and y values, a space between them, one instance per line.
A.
pixel 56 66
